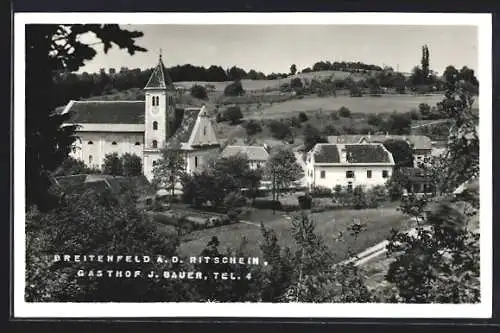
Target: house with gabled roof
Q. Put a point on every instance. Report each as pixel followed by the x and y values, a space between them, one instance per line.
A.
pixel 421 144
pixel 143 127
pixel 257 155
pixel 348 165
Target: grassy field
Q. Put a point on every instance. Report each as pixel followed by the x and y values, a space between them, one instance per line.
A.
pixel 367 104
pixel 259 85
pixel 328 224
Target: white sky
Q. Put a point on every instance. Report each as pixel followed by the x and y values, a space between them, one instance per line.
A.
pixel 273 48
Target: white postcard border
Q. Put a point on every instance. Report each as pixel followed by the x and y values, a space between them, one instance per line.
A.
pixel 23 309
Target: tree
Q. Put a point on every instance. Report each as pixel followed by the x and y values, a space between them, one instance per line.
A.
pixel 95 222
pixel 169 170
pixel 252 127
pixel 451 75
pixel 71 166
pixel 425 64
pixel 401 151
pixel 344 112
pixel 132 165
pixel 50 50
pixel 112 165
pixel 397 123
pixel 233 114
pixel 439 262
pixel 282 168
pixel 234 89
pixel 280 130
pixel 296 83
pixel 293 69
pixel 198 91
pixel 303 117
pixel 312 136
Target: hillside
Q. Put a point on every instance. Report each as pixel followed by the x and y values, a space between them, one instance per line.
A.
pixel 260 85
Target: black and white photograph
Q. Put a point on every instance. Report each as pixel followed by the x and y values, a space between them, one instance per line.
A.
pixel 252 165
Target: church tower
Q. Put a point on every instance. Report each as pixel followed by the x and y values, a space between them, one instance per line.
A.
pixel 160 100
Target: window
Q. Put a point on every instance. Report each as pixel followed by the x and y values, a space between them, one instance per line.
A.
pixel 349 174
pixel 349 186
pixel 196 161
pixel 368 174
pixel 137 143
pixel 90 159
pixel 385 174
pixel 205 130
pixel 91 143
pixel 113 143
pixel 155 125
pixel 322 174
pixel 155 144
pixel 153 100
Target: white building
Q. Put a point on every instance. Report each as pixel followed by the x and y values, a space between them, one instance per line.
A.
pixel 421 144
pixel 348 165
pixel 257 155
pixel 144 127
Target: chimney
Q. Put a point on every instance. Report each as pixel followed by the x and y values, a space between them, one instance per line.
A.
pixel 343 155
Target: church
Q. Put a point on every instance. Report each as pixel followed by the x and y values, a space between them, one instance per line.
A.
pixel 144 127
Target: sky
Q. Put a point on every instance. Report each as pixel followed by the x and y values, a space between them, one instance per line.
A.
pixel 273 48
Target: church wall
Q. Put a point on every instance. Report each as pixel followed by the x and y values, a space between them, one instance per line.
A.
pixel 197 160
pixel 92 147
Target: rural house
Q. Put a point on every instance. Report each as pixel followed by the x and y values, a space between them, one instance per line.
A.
pixel 144 127
pixel 257 155
pixel 348 165
pixel 421 144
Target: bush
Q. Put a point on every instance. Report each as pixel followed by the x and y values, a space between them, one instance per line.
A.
pixel 296 83
pixel 252 127
pixel 305 202
pixel 234 89
pixel 359 198
pixel 198 91
pixel 334 115
pixel 321 192
pixel 344 112
pixel 303 117
pixel 233 114
pixel 279 130
pixel 233 200
pixel 267 204
pixel 374 119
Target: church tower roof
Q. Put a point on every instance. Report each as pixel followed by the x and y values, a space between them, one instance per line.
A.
pixel 159 78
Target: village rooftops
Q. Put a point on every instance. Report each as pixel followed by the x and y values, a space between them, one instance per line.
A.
pixel 418 142
pixel 253 153
pixel 342 154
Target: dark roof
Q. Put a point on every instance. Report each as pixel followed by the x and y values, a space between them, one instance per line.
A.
pixel 326 153
pixel 107 112
pixel 355 153
pixel 159 78
pixel 364 153
pixel 418 141
pixel 183 133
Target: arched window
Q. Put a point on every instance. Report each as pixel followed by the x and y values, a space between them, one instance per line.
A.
pixel 153 100
pixel 137 143
pixel 196 161
pixel 90 159
pixel 155 144
pixel 204 130
pixel 113 143
pixel 155 125
pixel 91 143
